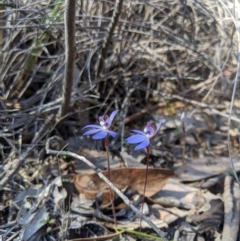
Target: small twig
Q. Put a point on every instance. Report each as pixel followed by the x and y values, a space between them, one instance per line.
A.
pixel 15 234
pixel 100 174
pixel 69 22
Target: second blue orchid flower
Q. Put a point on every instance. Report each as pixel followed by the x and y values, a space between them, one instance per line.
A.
pixel 142 138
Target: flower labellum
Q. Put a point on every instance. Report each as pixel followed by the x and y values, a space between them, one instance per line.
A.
pixel 142 138
pixel 101 131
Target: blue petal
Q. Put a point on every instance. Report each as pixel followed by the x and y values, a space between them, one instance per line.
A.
pixel 92 126
pixel 100 135
pixel 139 132
pixel 90 132
pixel 112 133
pixel 113 115
pixel 136 139
pixel 142 145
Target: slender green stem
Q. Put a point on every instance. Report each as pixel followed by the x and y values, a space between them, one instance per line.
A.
pixel 111 193
pixel 145 185
pixel 139 234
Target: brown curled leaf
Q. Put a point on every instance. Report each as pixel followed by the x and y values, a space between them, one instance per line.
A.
pixel 92 184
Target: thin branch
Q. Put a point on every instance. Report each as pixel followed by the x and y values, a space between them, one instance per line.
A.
pixel 69 22
pixel 98 171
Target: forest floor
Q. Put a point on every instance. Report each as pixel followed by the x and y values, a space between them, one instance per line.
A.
pixel 165 58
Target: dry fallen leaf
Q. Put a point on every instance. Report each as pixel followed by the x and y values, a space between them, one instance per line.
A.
pixel 92 184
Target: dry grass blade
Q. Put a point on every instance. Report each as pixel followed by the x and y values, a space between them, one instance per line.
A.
pixel 102 238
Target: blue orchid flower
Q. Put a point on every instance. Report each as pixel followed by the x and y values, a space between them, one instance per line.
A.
pixel 142 138
pixel 102 130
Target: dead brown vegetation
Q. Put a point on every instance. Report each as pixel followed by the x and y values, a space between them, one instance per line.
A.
pixel 163 57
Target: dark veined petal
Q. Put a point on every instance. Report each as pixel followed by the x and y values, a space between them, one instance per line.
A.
pixel 142 145
pixel 100 135
pixel 92 126
pixel 113 115
pixel 112 133
pixel 90 132
pixel 139 132
pixel 136 139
